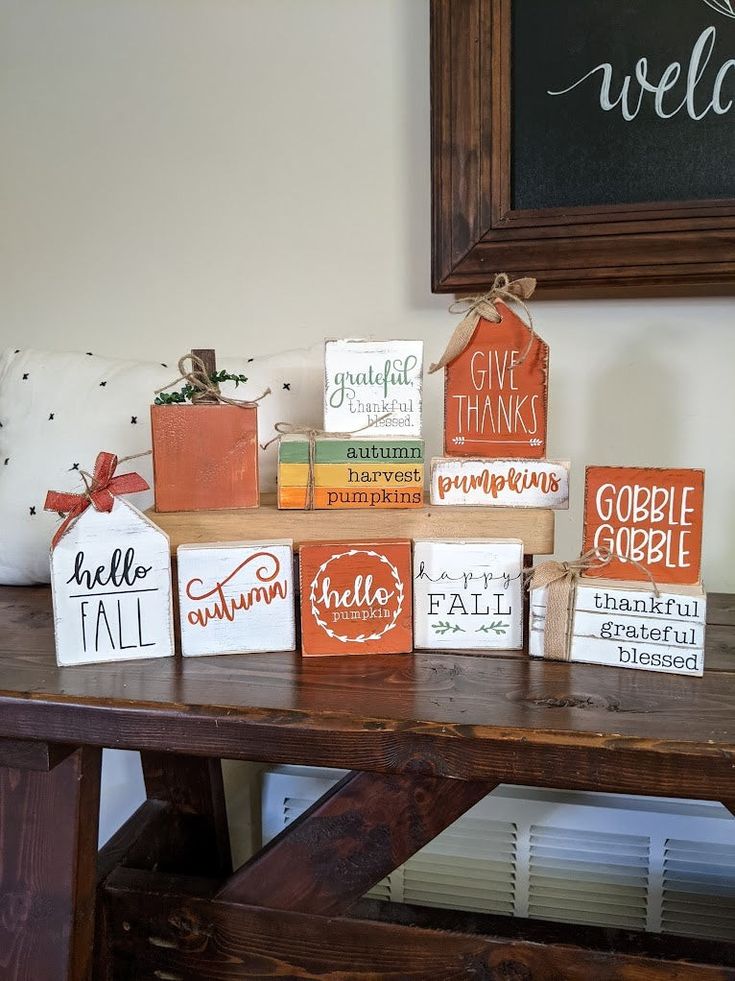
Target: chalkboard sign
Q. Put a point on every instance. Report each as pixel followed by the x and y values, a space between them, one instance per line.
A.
pixel 589 143
pixel 622 101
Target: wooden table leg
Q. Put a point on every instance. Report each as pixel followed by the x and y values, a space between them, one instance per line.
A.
pixel 361 830
pixel 48 853
pixel 193 786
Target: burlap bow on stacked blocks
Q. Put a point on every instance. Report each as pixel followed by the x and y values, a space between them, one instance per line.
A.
pixel 560 581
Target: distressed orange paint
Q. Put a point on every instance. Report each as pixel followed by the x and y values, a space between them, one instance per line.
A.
pixel 356 597
pixel 491 408
pixel 205 457
pixel 653 515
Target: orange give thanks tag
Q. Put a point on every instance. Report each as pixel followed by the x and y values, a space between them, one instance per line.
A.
pixel 494 396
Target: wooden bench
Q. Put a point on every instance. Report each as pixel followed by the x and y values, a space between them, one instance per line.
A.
pixel 424 736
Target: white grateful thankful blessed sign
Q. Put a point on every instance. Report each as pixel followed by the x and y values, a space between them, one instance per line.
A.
pixel 111 587
pixel 474 481
pixel 628 626
pixel 468 594
pixel 373 387
pixel 236 598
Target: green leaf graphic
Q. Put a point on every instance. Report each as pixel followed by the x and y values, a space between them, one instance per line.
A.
pixel 446 627
pixel 496 627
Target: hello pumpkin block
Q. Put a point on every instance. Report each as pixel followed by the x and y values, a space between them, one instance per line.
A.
pixel 236 598
pixel 356 597
pixel 495 392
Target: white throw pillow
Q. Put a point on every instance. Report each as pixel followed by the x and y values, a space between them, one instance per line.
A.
pixel 58 410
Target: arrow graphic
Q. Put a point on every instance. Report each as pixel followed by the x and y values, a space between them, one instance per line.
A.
pixel 461 440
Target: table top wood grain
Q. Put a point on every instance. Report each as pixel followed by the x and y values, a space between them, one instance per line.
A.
pixel 446 713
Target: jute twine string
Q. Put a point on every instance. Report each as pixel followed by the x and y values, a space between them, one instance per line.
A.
pixel 475 308
pixel 197 377
pixel 90 484
pixel 311 433
pixel 560 578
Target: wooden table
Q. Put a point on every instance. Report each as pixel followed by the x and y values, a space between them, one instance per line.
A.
pixel 425 737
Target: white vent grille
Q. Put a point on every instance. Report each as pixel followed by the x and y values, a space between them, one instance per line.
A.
pixel 469 866
pixel 698 889
pixel 381 891
pixel 293 807
pixel 558 855
pixel 590 877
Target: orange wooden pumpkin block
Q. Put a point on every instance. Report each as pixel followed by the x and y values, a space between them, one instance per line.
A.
pixel 494 398
pixel 356 597
pixel 205 457
pixel 649 514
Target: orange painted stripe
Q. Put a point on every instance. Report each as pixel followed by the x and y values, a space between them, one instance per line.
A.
pixel 410 496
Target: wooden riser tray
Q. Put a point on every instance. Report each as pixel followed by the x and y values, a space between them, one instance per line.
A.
pixel 534 527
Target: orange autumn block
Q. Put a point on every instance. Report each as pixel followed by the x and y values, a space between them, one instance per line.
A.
pixel 356 597
pixel 494 402
pixel 205 457
pixel 649 514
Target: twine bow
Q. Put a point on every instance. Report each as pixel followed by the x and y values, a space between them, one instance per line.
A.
pixel 206 389
pixel 476 308
pixel 311 433
pixel 560 580
pixel 101 488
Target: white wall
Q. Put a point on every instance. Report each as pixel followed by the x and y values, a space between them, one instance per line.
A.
pixel 254 174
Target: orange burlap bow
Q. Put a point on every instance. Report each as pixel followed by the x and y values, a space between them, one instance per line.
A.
pixel 100 491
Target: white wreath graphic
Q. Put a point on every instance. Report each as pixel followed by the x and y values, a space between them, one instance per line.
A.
pixel 725 7
pixel 361 638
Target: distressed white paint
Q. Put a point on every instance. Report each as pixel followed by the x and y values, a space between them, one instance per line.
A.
pixel 467 595
pixel 366 380
pixel 476 481
pixel 111 586
pixel 629 626
pixel 236 598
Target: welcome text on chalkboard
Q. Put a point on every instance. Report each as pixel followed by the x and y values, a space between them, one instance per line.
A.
pixel 588 144
pixel 669 80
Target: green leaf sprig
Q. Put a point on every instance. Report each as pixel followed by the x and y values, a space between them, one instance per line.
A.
pixel 186 393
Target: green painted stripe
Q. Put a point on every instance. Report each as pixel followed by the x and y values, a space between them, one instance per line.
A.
pixel 365 451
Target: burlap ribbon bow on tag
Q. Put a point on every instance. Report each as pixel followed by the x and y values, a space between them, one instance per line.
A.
pixel 311 433
pixel 560 581
pixel 101 488
pixel 476 308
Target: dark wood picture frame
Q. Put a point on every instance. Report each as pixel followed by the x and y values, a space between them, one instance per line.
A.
pixel 672 248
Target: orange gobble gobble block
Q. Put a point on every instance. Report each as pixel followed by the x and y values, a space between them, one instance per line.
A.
pixel 649 514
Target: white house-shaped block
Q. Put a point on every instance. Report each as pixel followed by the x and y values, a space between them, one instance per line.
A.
pixel 111 586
